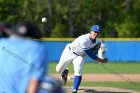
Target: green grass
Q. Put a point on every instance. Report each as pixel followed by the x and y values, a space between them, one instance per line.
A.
pixel 92 68
pixel 124 85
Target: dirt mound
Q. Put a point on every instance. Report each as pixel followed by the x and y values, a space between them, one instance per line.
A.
pixel 100 90
pixel 107 77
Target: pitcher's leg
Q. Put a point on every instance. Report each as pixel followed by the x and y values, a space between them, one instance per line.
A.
pixel 78 65
pixel 61 66
pixel 65 60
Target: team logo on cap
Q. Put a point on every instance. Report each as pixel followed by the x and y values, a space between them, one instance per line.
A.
pixel 97 27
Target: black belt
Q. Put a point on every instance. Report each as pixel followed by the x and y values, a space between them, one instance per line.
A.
pixel 73 52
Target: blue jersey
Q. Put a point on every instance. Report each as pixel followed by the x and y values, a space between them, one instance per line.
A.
pixel 20 61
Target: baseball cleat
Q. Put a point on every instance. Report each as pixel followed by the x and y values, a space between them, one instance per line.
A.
pixel 64 75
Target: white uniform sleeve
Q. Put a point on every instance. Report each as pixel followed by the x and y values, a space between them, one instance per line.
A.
pixel 84 43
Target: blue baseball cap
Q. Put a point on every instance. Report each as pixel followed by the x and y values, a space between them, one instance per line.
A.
pixel 96 28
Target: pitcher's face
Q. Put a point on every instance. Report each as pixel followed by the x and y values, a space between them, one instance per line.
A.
pixel 94 35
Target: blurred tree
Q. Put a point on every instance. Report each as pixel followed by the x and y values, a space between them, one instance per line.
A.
pixel 59 31
pixel 71 18
pixel 129 17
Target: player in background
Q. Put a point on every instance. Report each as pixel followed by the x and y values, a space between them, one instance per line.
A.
pixel 23 61
pixel 102 50
pixel 76 52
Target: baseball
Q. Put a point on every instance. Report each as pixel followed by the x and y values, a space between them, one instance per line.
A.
pixel 43 19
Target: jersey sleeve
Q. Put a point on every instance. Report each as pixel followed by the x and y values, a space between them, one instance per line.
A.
pixel 91 54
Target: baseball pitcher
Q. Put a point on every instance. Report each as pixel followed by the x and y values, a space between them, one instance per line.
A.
pixel 76 52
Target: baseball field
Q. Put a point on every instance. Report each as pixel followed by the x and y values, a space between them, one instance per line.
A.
pixel 119 77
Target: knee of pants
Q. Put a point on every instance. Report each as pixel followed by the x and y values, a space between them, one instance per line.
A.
pixel 78 72
pixel 58 69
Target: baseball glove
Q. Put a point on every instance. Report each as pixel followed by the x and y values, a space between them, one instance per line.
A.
pixel 96 48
